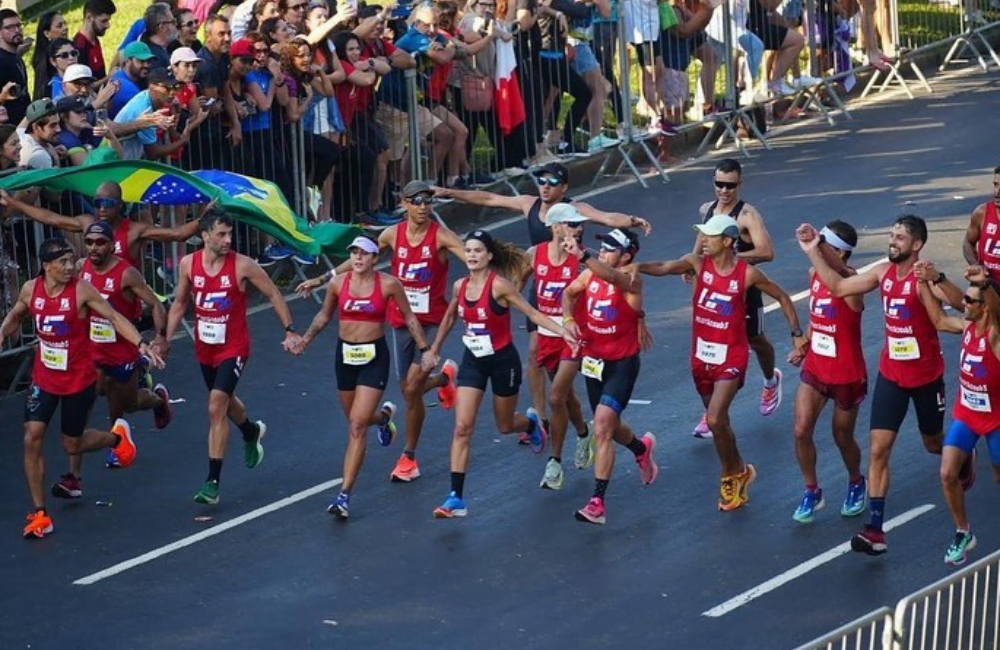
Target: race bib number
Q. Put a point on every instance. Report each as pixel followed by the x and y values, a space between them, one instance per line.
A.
pixel 211 333
pixel 593 368
pixel 102 331
pixel 479 345
pixel 974 400
pixel 823 344
pixel 903 349
pixel 54 358
pixel 358 355
pixel 420 301
pixel 714 354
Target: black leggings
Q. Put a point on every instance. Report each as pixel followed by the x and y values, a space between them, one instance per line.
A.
pixel 558 73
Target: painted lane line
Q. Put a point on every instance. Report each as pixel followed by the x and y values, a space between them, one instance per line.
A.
pixel 207 533
pixel 805 292
pixel 641 402
pixel 807 566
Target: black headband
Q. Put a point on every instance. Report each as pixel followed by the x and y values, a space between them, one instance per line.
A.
pixel 55 253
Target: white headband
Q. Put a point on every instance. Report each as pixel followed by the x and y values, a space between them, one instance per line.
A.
pixel 835 241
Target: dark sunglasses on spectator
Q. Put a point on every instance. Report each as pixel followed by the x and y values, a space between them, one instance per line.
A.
pixel 189 24
pixel 72 54
pixel 726 185
pixel 297 7
pixel 96 242
pixel 421 199
pixel 551 181
pixel 969 300
pixel 106 202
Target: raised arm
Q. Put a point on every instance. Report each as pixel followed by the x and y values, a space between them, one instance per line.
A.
pixel 486 199
pixel 175 234
pixel 690 263
pixel 612 219
pixel 840 286
pixel 942 322
pixel 46 217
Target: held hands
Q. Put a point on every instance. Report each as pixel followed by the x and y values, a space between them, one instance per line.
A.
pixel 161 345
pixel 429 360
pixel 808 237
pixel 293 343
pixel 152 354
pixel 639 222
pixel 925 271
pixel 800 346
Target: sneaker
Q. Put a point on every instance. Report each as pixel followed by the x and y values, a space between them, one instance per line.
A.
pixel 571 149
pixel 340 507
pixel 593 512
pixel 304 259
pixel 733 489
pixel 481 178
pixel 540 436
pixel 780 88
pixel 68 487
pixel 125 451
pixel 553 478
pixel 208 493
pixel 163 415
pixel 647 462
pixel 811 502
pixel 460 183
pixel 278 252
pixel 854 502
pixel 387 428
pixel 967 475
pixel 702 430
pixel 770 397
pixel 870 541
pixel 111 462
pixel 448 392
pixel 379 220
pixel 265 261
pixel 667 128
pixel 452 507
pixel 600 142
pixel 253 451
pixel 405 470
pixel 39 524
pixel 805 81
pixel 583 457
pixel 959 549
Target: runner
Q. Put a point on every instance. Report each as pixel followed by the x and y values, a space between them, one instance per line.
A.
pixel 483 300
pixel 982 238
pixel 361 299
pixel 216 277
pixel 63 372
pixel 834 368
pixel 755 247
pixel 910 367
pixel 720 348
pixel 609 334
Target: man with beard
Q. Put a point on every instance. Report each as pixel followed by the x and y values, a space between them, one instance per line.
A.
pixel 96 22
pixel 12 68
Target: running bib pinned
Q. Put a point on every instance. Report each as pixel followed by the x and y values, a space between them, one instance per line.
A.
pixel 101 331
pixel 903 349
pixel 211 333
pixel 714 354
pixel 593 368
pixel 823 344
pixel 54 358
pixel 480 345
pixel 358 355
pixel 975 401
pixel 420 301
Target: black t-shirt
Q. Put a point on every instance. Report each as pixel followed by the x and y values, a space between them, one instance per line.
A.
pixel 212 73
pixel 12 68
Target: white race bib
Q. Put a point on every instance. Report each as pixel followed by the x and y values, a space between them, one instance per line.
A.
pixel 211 333
pixel 420 301
pixel 358 355
pixel 479 345
pixel 823 344
pixel 102 331
pixel 903 349
pixel 593 368
pixel 974 400
pixel 714 354
pixel 544 332
pixel 54 358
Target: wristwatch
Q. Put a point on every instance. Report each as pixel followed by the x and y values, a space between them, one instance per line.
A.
pixel 290 328
pixel 424 349
pixel 941 277
pixel 797 333
pixel 586 255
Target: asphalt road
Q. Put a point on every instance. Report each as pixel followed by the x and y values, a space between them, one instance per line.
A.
pixel 519 572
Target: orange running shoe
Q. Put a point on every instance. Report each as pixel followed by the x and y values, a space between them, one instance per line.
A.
pixel 126 448
pixel 406 470
pixel 39 524
pixel 448 392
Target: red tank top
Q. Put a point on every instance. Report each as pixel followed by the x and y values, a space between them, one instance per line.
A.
pixel 978 383
pixel 911 355
pixel 988 247
pixel 718 330
pixel 423 275
pixel 487 324
pixel 550 282
pixel 610 329
pixel 220 309
pixel 365 309
pixel 835 355
pixel 121 244
pixel 109 348
pixel 64 362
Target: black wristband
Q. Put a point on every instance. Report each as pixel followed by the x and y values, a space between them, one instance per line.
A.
pixel 585 256
pixel 290 328
pixel 797 333
pixel 426 348
pixel 941 277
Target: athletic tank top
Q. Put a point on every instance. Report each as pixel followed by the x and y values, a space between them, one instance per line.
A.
pixel 718 331
pixel 361 309
pixel 978 383
pixel 988 247
pixel 550 282
pixel 538 232
pixel 742 245
pixel 109 348
pixel 121 245
pixel 610 326
pixel 220 311
pixel 423 275
pixel 911 355
pixel 835 355
pixel 64 362
pixel 487 323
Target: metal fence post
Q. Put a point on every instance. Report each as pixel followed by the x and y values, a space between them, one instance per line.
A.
pixel 413 132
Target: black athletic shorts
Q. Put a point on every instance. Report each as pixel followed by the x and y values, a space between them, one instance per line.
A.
pixel 755 312
pixel 373 373
pixel 40 406
pixel 890 403
pixel 649 49
pixel 614 388
pixel 502 369
pixel 224 376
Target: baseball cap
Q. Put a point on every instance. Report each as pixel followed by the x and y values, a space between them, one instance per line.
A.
pixel 76 72
pixel 365 244
pixel 101 228
pixel 620 239
pixel 138 50
pixel 39 109
pixel 163 77
pixel 184 55
pixel 555 169
pixel 719 224
pixel 67 104
pixel 417 187
pixel 241 47
pixel 563 213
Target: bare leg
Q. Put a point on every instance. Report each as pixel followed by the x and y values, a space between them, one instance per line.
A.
pixel 722 430
pixel 360 406
pixel 954 495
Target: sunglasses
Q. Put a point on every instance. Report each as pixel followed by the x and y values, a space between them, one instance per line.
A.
pixel 421 199
pixel 969 300
pixel 189 24
pixel 96 242
pixel 726 185
pixel 106 202
pixel 72 54
pixel 299 7
pixel 551 181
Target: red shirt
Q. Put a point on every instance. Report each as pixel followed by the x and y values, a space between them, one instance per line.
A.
pixel 365 309
pixel 911 356
pixel 423 275
pixel 220 309
pixel 550 282
pixel 437 82
pixel 988 247
pixel 487 324
pixel 351 98
pixel 91 55
pixel 835 355
pixel 109 348
pixel 718 330
pixel 978 383
pixel 64 362
pixel 121 244
pixel 610 326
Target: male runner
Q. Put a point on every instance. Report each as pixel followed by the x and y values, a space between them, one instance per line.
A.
pixel 982 237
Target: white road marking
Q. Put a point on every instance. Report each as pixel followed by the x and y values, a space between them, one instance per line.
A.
pixel 205 534
pixel 641 402
pixel 805 292
pixel 807 566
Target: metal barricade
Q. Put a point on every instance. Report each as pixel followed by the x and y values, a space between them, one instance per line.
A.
pixel 870 632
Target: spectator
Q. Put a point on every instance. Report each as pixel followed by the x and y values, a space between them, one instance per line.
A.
pixel 132 76
pixel 685 39
pixel 187 31
pixel 78 81
pixel 224 8
pixel 641 21
pixel 785 42
pixel 581 37
pixel 40 136
pixel 157 98
pixel 207 147
pixel 276 33
pixel 12 68
pixel 294 13
pixel 51 25
pixel 528 47
pixel 184 65
pixel 138 29
pixel 161 31
pixel 62 54
pixel 96 21
pixel 10 147
pixel 604 44
pixel 261 86
pixel 76 134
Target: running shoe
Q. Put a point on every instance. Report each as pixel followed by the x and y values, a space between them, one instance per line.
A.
pixel 600 142
pixel 959 549
pixel 811 502
pixel 481 178
pixel 584 455
pixel 870 541
pixel 448 392
pixel 278 252
pixel 647 461
pixel 593 512
pixel 780 87
pixel 125 451
pixel 702 429
pixel 733 489
pixel 304 259
pixel 163 415
pixel 68 487
pixel 39 524
pixel 452 507
pixel 111 461
pixel 208 493
pixel 854 502
pixel 340 507
pixel 387 428
pixel 553 478
pixel 540 436
pixel 405 470
pixel 805 81
pixel 253 451
pixel 770 397
pixel 967 475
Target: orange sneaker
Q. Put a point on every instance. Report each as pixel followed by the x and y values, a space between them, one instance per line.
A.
pixel 406 470
pixel 126 448
pixel 39 524
pixel 447 393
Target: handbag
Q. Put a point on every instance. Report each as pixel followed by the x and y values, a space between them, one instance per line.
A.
pixel 477 93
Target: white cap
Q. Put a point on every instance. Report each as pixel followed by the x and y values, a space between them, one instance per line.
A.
pixel 563 213
pixel 719 224
pixel 185 55
pixel 76 72
pixel 365 244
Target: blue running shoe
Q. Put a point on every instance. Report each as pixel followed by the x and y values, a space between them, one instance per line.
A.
pixel 379 220
pixel 540 436
pixel 811 502
pixel 387 428
pixel 304 258
pixel 854 502
pixel 341 506
pixel 452 507
pixel 278 251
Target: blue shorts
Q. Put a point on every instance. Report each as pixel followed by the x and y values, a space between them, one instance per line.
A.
pixel 121 373
pixel 962 437
pixel 584 60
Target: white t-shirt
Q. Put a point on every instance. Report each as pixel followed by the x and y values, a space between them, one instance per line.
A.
pixel 33 154
pixel 240 22
pixel 642 20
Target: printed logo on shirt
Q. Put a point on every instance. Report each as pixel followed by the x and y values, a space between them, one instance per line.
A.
pixel 53 325
pixel 213 301
pixel 823 308
pixel 199 282
pixel 359 305
pixel 715 302
pixel 416 272
pixel 972 365
pixel 896 308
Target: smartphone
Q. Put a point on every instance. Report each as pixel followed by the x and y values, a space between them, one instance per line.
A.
pixel 101 115
pixel 210 102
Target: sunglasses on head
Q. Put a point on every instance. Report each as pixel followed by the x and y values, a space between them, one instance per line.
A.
pixel 969 300
pixel 726 185
pixel 95 242
pixel 72 54
pixel 551 181
pixel 106 202
pixel 421 199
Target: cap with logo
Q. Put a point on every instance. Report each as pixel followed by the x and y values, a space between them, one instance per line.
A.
pixel 414 188
pixel 138 50
pixel 38 110
pixel 184 55
pixel 563 213
pixel 77 72
pixel 620 239
pixel 101 228
pixel 719 224
pixel 553 169
pixel 365 244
